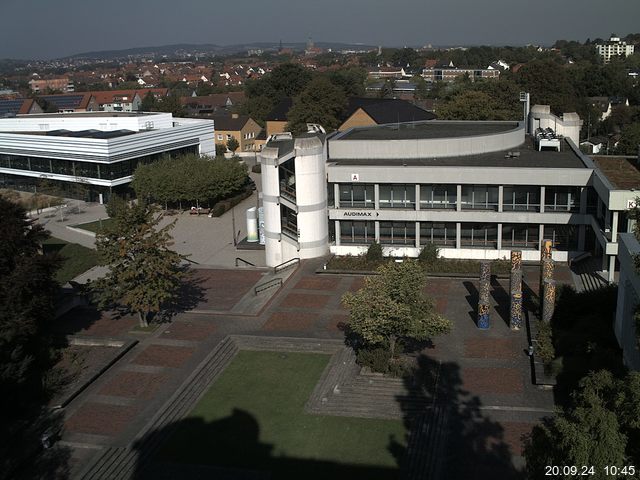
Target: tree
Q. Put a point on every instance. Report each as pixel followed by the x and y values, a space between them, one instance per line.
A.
pixel 549 84
pixel 232 144
pixel 602 427
pixel 391 307
pixel 171 104
pixel 28 292
pixel 320 102
pixel 144 273
pixel 630 140
pixel 149 103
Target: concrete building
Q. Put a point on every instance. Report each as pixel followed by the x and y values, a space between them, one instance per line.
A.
pixel 99 150
pixel 62 84
pixel 450 73
pixel 241 127
pixel 614 47
pixel 625 327
pixel 475 189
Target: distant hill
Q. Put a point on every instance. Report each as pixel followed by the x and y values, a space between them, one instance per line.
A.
pixel 206 49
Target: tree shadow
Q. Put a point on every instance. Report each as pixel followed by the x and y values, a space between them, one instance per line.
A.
pixel 472 299
pixel 190 295
pixel 449 437
pixel 230 448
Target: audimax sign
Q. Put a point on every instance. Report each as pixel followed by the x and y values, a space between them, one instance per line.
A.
pixel 353 213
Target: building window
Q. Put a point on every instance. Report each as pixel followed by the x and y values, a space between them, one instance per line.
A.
pixel 479 197
pixel 330 195
pixel 397 196
pixel 289 221
pixel 563 237
pixel 287 174
pixel 561 199
pixel 441 234
pixel 440 197
pixel 398 233
pixel 525 198
pixel 356 195
pixel 479 235
pixel 228 137
pixel 362 233
pixel 520 236
pixel 220 136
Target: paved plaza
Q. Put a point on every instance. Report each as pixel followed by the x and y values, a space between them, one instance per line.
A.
pixel 483 377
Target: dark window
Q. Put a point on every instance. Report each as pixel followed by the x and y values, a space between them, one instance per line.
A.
pixel 563 237
pixel 441 197
pixel 397 196
pixel 479 197
pixel 398 233
pixel 357 232
pixel 356 195
pixel 525 198
pixel 479 235
pixel 562 199
pixel 441 234
pixel 520 236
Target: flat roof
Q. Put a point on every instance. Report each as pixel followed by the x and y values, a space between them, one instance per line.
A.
pixel 621 171
pixel 88 114
pixel 98 134
pixel 529 158
pixel 428 130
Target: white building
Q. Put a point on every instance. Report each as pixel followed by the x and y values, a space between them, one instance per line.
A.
pixel 614 47
pixel 98 149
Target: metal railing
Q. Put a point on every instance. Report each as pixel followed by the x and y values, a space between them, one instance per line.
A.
pixel 238 259
pixel 285 265
pixel 274 282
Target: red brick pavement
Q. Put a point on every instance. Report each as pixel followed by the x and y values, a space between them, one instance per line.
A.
pixel 336 322
pixel 133 384
pixel 513 435
pixel 224 288
pixel 100 419
pixel 492 380
pixel 356 284
pixel 88 321
pixel 305 300
pixel 189 330
pixel 291 321
pixel 318 283
pixel 492 348
pixel 164 356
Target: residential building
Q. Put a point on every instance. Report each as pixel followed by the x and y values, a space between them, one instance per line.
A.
pixel 614 47
pixel 241 127
pixel 99 150
pixel 449 73
pixel 389 72
pixel 118 100
pixel 19 106
pixel 62 84
pixel 218 103
pixel 72 102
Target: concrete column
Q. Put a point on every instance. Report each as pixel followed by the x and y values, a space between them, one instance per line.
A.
pixel 583 200
pixel 500 200
pixel 581 237
pixel 377 231
pixel 417 234
pixel 614 227
pixel 338 233
pixel 542 190
pixel 458 235
pixel 417 199
pixel 336 195
pixel 499 235
pixel 541 236
pixel 612 268
pixel 376 196
pixel 458 199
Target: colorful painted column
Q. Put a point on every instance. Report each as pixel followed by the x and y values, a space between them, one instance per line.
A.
pixel 545 253
pixel 484 291
pixel 515 312
pixel 549 300
pixel 516 259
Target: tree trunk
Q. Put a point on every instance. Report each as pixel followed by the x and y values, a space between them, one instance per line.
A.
pixel 392 345
pixel 142 317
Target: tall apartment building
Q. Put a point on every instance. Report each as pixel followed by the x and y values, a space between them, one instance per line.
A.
pixel 614 47
pixel 62 84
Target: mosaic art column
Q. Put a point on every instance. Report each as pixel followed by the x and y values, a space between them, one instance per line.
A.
pixel 483 301
pixel 515 312
pixel 549 300
pixel 545 253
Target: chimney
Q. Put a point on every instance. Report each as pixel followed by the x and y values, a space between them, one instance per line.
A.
pixel 234 115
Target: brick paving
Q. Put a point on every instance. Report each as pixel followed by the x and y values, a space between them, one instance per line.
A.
pixel 189 330
pixel 89 321
pixel 164 356
pixel 492 380
pixel 224 288
pixel 133 384
pixel 321 283
pixel 304 300
pixel 491 348
pixel 100 419
pixel 291 321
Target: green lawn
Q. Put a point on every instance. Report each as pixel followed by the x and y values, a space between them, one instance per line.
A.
pixel 95 226
pixel 253 417
pixel 76 258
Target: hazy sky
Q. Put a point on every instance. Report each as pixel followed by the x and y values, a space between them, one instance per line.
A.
pixel 49 29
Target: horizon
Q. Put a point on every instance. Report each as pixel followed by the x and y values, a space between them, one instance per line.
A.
pixel 90 27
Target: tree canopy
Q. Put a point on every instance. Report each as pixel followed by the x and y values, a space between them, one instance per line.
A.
pixel 320 102
pixel 144 274
pixel 391 306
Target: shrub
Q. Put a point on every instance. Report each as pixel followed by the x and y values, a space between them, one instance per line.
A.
pixel 218 210
pixel 429 254
pixel 544 348
pixel 377 359
pixel 374 253
pixel 257 168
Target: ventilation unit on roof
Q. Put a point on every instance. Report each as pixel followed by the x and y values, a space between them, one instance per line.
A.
pixel 512 155
pixel 280 136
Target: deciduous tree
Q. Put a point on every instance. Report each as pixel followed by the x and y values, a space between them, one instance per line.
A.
pixel 320 102
pixel 391 306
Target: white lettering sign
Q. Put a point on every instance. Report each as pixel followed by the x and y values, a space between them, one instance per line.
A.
pixel 355 177
pixel 631 204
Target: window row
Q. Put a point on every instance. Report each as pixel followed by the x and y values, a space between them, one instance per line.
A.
pixel 104 171
pixel 445 197
pixel 522 236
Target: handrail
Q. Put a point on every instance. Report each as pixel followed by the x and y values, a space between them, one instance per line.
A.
pixel 243 261
pixel 285 265
pixel 266 285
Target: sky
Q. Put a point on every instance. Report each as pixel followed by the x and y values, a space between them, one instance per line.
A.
pixel 43 29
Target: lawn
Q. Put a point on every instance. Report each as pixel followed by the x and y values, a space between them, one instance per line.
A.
pixel 253 417
pixel 95 226
pixel 76 259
